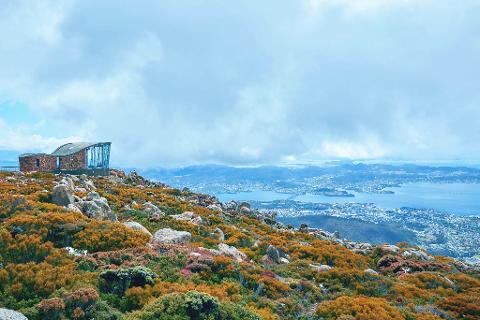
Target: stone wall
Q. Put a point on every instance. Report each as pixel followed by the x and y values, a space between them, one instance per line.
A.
pixel 38 162
pixel 72 162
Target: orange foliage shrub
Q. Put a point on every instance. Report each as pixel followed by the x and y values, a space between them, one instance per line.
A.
pixel 139 296
pixel 106 236
pixel 325 252
pixel 29 280
pixel 23 248
pixel 360 307
pixel 463 305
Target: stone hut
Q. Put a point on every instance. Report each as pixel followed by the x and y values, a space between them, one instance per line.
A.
pixel 73 158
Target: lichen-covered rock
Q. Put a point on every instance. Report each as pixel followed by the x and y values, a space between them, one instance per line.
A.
pixel 137 226
pixel 170 236
pixel 62 195
pixel 371 271
pixel 417 254
pixel 232 252
pixel 218 234
pixel 6 314
pixel 74 208
pixel 86 183
pixel 152 210
pixel 273 254
pixel 97 208
pixel 189 217
pixel 390 248
pixel 320 267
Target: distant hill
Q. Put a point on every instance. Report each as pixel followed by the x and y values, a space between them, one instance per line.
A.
pixel 355 230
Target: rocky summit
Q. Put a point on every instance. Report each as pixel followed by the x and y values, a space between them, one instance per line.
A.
pixel 124 247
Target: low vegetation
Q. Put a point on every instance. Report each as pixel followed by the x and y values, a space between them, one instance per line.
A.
pixel 57 263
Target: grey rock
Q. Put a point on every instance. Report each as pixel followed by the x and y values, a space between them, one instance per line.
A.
pixel 189 217
pixel 230 206
pixel 97 209
pixel 417 254
pixel 284 260
pixel 244 205
pixel 273 254
pixel 67 181
pixel 137 226
pixel 370 271
pixel 320 267
pixel 218 234
pixel 93 196
pixel 232 252
pixel 6 314
pixel 170 236
pixel 150 209
pixel 215 207
pixel 86 183
pixel 390 248
pixel 74 208
pixel 62 195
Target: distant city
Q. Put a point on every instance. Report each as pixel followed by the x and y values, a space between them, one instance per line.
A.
pixel 356 199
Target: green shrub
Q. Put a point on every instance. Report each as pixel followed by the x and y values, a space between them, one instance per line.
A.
pixel 189 306
pixel 117 281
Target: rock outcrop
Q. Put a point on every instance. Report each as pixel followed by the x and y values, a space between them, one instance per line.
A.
pixel 232 252
pixel 137 226
pixel 62 195
pixel 152 210
pixel 320 267
pixel 218 234
pixel 96 207
pixel 6 314
pixel 170 236
pixel 188 217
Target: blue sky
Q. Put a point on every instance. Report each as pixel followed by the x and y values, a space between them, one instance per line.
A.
pixel 182 82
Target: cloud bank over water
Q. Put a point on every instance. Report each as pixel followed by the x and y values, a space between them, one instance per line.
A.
pixel 182 82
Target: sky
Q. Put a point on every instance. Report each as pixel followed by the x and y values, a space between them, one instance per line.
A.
pixel 174 83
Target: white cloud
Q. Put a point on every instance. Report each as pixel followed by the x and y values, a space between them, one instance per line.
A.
pixel 173 84
pixel 20 138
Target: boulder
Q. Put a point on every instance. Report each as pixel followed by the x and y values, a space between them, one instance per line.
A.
pixel 232 252
pixel 137 226
pixel 6 314
pixel 67 181
pixel 189 217
pixel 218 234
pixel 359 247
pixel 150 209
pixel 97 209
pixel 93 196
pixel 73 208
pixel 284 260
pixel 86 183
pixel 371 271
pixel 273 254
pixel 215 207
pixel 417 254
pixel 170 236
pixel 320 267
pixel 230 206
pixel 243 205
pixel 390 248
pixel 62 195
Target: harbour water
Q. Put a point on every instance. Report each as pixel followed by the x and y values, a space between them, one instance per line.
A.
pixel 455 198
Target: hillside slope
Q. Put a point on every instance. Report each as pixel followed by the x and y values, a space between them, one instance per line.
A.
pixel 122 247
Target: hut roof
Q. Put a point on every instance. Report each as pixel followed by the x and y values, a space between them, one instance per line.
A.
pixel 71 148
